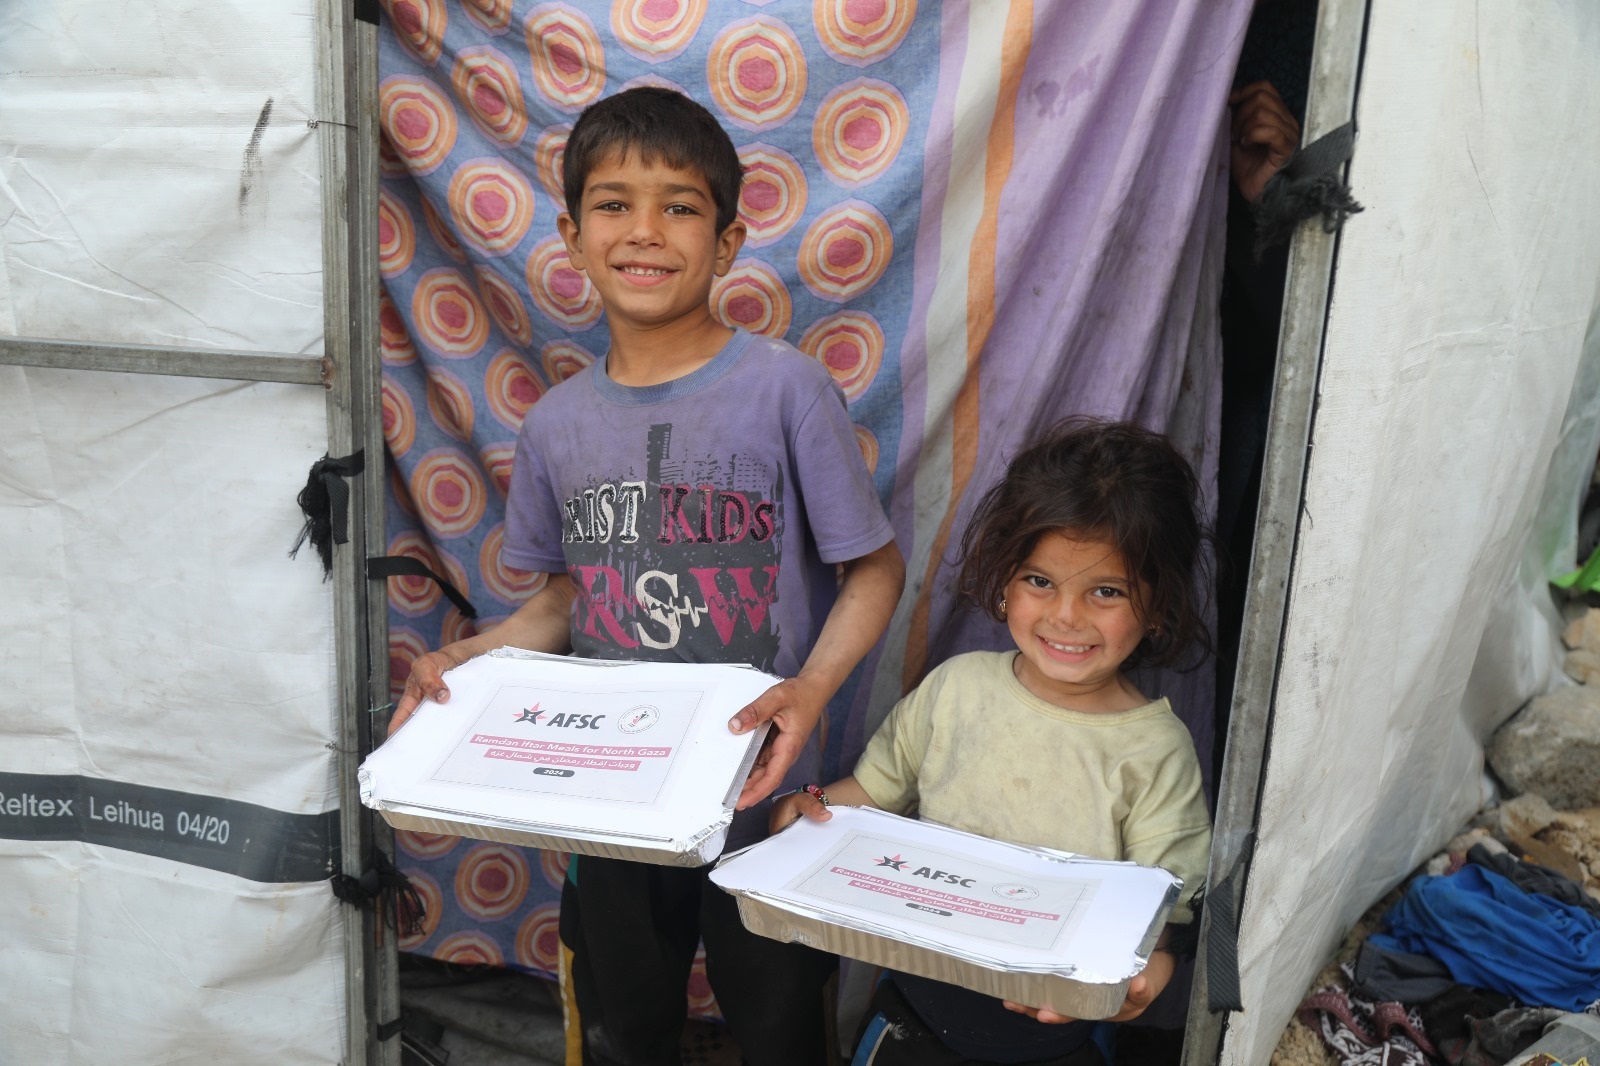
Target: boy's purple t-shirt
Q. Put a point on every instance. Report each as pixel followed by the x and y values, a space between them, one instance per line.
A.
pixel 700 519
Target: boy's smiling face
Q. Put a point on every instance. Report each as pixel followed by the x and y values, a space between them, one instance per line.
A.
pixel 647 238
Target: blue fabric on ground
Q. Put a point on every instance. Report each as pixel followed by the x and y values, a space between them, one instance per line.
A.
pixel 1491 934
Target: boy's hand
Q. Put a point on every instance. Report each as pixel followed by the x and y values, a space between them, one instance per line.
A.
pixel 1264 137
pixel 1142 991
pixel 787 810
pixel 426 680
pixel 793 707
pixel 540 624
pixel 866 599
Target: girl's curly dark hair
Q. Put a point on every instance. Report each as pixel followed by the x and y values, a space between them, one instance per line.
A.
pixel 1113 481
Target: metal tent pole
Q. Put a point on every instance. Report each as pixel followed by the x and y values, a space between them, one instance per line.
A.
pixel 346 112
pixel 1308 288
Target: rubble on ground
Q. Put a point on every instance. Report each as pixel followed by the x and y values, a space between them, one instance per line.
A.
pixel 1552 748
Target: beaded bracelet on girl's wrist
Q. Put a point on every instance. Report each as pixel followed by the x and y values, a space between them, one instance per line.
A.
pixel 816 791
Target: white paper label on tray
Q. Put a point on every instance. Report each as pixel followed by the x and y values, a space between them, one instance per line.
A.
pixel 944 891
pixel 617 747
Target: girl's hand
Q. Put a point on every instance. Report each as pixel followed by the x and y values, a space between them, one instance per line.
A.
pixel 789 809
pixel 1142 991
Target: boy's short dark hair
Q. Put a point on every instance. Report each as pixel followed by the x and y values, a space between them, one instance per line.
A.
pixel 1110 481
pixel 661 126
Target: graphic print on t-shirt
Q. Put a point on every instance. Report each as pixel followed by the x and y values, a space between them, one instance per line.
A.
pixel 681 564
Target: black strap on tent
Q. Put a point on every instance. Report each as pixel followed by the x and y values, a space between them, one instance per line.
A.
pixel 1307 187
pixel 365 11
pixel 1222 937
pixel 387 566
pixel 325 501
pixel 405 908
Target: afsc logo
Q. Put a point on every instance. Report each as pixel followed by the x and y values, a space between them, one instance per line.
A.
pixel 638 719
pixel 897 864
pixel 535 716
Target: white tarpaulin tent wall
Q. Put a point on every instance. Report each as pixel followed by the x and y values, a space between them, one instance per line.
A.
pixel 1423 476
pixel 187 321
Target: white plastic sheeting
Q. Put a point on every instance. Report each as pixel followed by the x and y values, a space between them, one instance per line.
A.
pixel 159 175
pixel 154 635
pixel 168 721
pixel 1462 301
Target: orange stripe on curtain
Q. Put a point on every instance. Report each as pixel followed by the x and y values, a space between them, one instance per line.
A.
pixel 1017 40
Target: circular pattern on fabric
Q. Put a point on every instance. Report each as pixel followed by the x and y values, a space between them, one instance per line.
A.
pixel 486 83
pixel 491 881
pixel 418 120
pixel 559 289
pixel 656 30
pixel 861 32
pixel 858 131
pixel 425 846
pixel 504 582
pixel 394 342
pixel 450 493
pixel 497 460
pixel 399 418
pixel 553 864
pixel 562 359
pixel 869 447
pixel 412 596
pixel 390 165
pixel 397 236
pixel 420 26
pixel 406 646
pixel 447 315
pixel 702 1003
pixel 456 626
pixel 753 297
pixel 492 205
pixel 469 949
pixel 511 388
pixel 504 304
pixel 492 16
pixel 441 233
pixel 432 897
pixel 845 251
pixel 538 942
pixel 773 196
pixel 549 156
pixel 450 403
pixel 850 344
pixel 569 65
pixel 400 492
pixel 757 72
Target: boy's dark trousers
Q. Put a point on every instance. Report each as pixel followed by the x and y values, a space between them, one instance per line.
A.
pixel 632 929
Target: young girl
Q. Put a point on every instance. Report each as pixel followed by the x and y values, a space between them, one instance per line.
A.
pixel 1090 550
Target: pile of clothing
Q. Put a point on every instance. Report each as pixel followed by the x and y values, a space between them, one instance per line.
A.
pixel 1472 965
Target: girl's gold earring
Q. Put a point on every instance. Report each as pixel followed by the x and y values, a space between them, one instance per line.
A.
pixel 1002 608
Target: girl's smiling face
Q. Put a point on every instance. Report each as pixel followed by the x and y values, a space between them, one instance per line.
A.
pixel 1071 608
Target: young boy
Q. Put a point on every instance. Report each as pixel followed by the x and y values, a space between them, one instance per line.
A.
pixel 688 497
